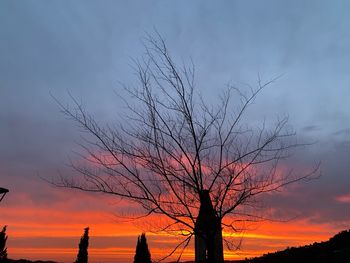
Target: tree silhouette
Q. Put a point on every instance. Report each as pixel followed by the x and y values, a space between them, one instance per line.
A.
pixel 142 254
pixel 82 256
pixel 173 147
pixel 3 249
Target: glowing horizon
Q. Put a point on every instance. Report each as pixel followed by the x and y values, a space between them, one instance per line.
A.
pixel 113 240
pixel 51 230
pixel 102 248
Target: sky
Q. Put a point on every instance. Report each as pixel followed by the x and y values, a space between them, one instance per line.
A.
pixel 50 49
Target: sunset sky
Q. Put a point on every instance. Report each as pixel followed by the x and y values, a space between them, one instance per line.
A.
pixel 86 48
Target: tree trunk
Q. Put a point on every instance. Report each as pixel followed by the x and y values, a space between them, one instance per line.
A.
pixel 208 233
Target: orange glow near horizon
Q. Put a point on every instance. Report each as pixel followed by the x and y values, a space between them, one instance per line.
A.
pixel 51 230
pixel 254 244
pixel 115 241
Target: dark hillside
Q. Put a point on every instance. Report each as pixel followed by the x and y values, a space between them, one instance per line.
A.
pixel 335 250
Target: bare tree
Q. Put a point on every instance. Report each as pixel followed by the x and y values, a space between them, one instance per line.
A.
pixel 174 147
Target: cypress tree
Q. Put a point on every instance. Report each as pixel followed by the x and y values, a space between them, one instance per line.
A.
pixel 142 254
pixel 82 256
pixel 3 248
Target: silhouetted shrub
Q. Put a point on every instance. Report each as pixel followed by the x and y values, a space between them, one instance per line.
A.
pixel 3 249
pixel 142 254
pixel 82 256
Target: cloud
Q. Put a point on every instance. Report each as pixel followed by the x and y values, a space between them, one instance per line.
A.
pixel 343 198
pixel 311 128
